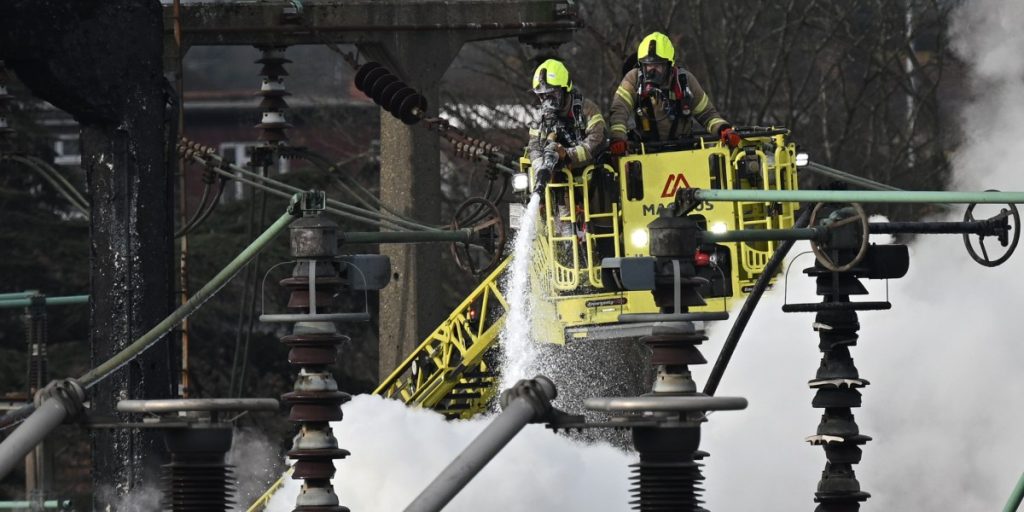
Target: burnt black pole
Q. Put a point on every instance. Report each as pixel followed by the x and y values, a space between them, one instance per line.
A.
pixel 101 61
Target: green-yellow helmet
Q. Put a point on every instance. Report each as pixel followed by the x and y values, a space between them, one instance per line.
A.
pixel 550 74
pixel 656 46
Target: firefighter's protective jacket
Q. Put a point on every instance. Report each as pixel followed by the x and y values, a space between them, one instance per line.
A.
pixel 655 116
pixel 580 130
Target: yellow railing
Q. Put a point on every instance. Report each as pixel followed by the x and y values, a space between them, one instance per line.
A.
pixel 563 245
pixel 261 502
pixel 447 372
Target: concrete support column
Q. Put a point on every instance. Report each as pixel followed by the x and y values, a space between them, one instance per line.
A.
pixel 410 183
pixel 100 61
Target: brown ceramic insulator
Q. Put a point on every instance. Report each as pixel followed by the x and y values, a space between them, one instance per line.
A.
pixel 299 299
pixel 302 282
pixel 313 349
pixel 674 349
pixel 275 102
pixel 274 69
pixel 315 406
pixel 316 464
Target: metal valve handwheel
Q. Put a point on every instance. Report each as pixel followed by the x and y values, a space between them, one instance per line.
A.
pixel 484 218
pixel 821 249
pixel 1004 237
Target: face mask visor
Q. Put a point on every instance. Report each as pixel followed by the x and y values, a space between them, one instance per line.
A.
pixel 655 72
pixel 551 100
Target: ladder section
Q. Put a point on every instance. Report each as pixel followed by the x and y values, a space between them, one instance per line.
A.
pixel 449 372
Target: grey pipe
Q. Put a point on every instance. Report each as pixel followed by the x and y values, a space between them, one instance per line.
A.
pixel 62 399
pixel 168 405
pixel 528 401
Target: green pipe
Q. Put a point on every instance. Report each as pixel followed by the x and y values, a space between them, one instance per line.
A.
pixel 13 505
pixel 1016 496
pixel 760 235
pixel 49 301
pixel 408 237
pixel 153 335
pixel 858 196
pixel 18 295
pixel 205 293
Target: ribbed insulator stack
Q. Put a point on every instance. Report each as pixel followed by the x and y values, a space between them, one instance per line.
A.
pixel 36 334
pixel 272 90
pixel 837 383
pixel 6 105
pixel 197 478
pixel 392 94
pixel 668 476
pixel 315 400
pixel 472 149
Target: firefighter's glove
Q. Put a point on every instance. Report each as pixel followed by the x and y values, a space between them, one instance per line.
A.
pixel 618 147
pixel 730 137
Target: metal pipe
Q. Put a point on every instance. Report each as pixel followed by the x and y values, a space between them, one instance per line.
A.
pixel 934 228
pixel 1016 496
pixel 198 299
pixel 49 301
pixel 168 405
pixel 160 330
pixel 30 433
pixel 858 196
pixel 761 235
pixel 666 403
pixel 407 237
pixel 530 401
pixel 18 295
pixel 15 505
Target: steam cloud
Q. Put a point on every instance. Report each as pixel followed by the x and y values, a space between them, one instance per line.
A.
pixel 397 451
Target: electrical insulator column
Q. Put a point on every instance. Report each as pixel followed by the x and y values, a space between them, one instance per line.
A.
pixel 837 385
pixel 272 90
pixel 315 401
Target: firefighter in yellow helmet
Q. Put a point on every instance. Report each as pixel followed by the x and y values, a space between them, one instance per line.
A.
pixel 571 131
pixel 663 98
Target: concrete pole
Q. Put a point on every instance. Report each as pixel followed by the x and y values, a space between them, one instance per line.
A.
pixel 410 183
pixel 102 63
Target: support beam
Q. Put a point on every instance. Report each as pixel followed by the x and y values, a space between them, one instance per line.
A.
pixel 410 183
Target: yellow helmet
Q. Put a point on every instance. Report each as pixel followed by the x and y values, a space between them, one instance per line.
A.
pixel 655 47
pixel 550 74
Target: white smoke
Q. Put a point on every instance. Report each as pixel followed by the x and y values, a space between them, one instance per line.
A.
pixel 944 404
pixel 397 451
pixel 257 463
